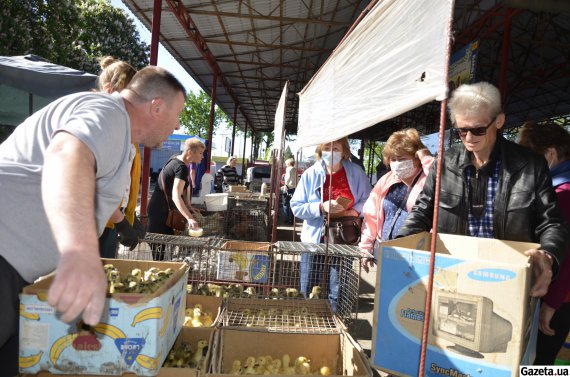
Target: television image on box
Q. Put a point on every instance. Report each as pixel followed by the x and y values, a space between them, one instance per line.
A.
pixel 469 322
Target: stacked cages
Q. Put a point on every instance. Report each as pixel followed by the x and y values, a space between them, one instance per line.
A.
pixel 247 217
pixel 211 222
pixel 282 271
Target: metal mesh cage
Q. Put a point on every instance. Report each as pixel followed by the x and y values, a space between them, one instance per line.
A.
pixel 332 274
pixel 211 222
pixel 281 315
pixel 161 247
pixel 247 218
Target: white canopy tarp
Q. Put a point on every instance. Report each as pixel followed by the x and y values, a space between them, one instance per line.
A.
pixel 393 61
pixel 279 128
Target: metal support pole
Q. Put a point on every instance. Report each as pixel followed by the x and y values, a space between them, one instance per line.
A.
pixel 145 173
pixel 243 158
pixel 234 131
pixel 211 128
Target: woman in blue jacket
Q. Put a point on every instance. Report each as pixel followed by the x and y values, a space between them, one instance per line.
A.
pixel 311 203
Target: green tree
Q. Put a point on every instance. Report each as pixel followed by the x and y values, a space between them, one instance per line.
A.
pixel 73 33
pixel 195 118
pixel 288 154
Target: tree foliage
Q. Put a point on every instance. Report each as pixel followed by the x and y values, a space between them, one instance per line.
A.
pixel 72 33
pixel 288 154
pixel 195 118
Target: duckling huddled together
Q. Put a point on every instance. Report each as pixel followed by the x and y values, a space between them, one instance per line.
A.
pixel 197 317
pixel 267 365
pixel 183 356
pixel 137 281
pixel 238 290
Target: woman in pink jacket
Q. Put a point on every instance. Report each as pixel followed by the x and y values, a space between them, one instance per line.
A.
pixel 394 195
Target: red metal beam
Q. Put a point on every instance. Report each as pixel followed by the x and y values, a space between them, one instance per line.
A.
pixel 156 15
pixel 185 20
pixel 211 128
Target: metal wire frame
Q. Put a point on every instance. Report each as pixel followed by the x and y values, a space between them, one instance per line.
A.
pixel 247 218
pixel 290 315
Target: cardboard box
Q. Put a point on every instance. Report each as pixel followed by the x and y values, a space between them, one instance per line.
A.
pixel 191 336
pixel 237 188
pixel 134 335
pixel 337 351
pixel 210 304
pixel 244 261
pixel 482 319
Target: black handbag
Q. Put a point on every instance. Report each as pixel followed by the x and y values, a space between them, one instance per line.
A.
pixel 344 230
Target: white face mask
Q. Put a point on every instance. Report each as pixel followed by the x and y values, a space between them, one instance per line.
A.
pixel 403 169
pixel 330 158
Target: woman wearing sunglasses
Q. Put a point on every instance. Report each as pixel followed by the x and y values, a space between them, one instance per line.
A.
pixel 493 188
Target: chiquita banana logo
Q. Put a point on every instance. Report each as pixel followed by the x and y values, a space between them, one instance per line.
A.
pixel 109 330
pixel 150 313
pixel 166 320
pixel 149 362
pixel 30 361
pixel 25 314
pixel 59 345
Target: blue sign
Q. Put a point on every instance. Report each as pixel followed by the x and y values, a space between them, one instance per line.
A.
pixel 130 348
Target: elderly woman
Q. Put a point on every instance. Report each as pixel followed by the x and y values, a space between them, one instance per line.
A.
pixel 396 192
pixel 172 183
pixel 349 188
pixel 553 141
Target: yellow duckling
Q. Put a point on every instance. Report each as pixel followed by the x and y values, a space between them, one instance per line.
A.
pixel 302 365
pixel 325 371
pixel 236 368
pixel 260 365
pixel 274 367
pixel 207 319
pixel 197 318
pixel 249 365
pixel 198 356
pixel 285 368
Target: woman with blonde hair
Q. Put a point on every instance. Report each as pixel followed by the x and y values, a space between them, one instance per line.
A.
pixel 171 191
pixel 123 225
pixel 333 187
pixel 394 195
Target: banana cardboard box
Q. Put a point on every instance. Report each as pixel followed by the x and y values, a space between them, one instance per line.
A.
pixel 294 354
pixel 244 261
pixel 482 322
pixel 135 334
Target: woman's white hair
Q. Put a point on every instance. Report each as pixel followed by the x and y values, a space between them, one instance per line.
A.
pixel 230 159
pixel 470 99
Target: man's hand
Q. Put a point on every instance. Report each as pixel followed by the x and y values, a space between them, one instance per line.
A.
pixel 332 206
pixel 541 264
pixel 128 236
pixel 79 287
pixel 544 318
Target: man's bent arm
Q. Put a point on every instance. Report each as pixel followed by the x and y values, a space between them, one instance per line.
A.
pixel 68 194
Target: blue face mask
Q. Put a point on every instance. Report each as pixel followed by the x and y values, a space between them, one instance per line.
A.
pixel 330 158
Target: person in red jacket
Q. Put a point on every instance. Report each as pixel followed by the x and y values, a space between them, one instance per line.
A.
pixel 553 141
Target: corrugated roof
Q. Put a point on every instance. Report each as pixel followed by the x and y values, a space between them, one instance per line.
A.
pixel 257 45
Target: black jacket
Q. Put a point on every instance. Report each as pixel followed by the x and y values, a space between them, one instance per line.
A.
pixel 525 204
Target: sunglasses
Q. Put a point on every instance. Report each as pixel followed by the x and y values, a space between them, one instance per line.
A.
pixel 475 131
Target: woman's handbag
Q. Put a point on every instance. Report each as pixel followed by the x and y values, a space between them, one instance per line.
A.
pixel 345 230
pixel 175 219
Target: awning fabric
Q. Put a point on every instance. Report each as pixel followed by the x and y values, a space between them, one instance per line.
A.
pixel 37 76
pixel 278 130
pixel 393 61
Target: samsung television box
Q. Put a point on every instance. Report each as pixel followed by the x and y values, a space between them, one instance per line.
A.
pixel 483 321
pixel 135 334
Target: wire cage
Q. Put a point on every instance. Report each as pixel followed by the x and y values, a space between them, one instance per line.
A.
pixel 162 247
pixel 332 274
pixel 211 222
pixel 247 217
pixel 292 315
